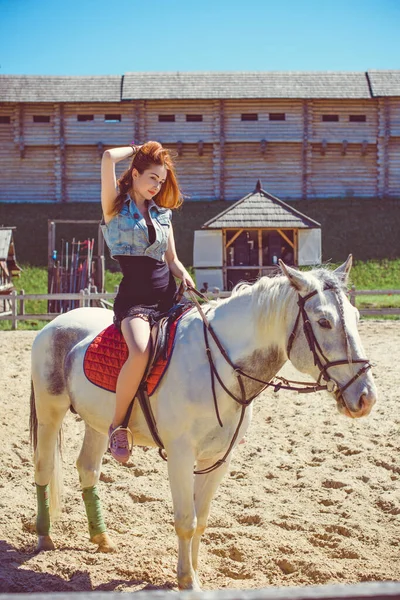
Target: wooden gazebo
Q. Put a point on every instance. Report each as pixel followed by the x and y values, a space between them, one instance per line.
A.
pixel 246 240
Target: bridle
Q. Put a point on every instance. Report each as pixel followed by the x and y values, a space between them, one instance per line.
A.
pixel 317 352
pixel 276 382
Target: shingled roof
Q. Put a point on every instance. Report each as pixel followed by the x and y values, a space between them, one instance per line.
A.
pixel 384 83
pixel 44 88
pixel 279 84
pixel 199 85
pixel 258 210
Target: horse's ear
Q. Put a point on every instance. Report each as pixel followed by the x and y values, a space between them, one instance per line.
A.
pixel 343 271
pixel 296 278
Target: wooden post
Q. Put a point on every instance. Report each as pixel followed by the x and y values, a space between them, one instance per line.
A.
pixel 296 247
pixel 82 299
pixel 21 140
pixel 22 303
pixel 62 156
pixel 352 295
pixel 101 276
pixel 305 150
pixel 13 298
pixel 222 150
pixel 224 260
pixel 136 120
pixel 51 227
pixel 260 252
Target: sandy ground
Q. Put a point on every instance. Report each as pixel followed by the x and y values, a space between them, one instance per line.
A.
pixel 311 498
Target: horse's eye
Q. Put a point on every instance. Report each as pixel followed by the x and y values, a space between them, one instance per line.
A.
pixel 324 323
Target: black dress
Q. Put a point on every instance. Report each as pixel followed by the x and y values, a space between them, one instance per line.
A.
pixel 147 289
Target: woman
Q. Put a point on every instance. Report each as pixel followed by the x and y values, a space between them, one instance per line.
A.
pixel 138 231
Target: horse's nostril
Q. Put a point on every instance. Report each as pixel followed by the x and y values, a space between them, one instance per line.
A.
pixel 362 402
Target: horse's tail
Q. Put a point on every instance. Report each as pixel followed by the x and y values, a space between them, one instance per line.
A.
pixel 56 481
pixel 33 422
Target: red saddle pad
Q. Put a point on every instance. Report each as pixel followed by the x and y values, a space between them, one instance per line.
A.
pixel 107 353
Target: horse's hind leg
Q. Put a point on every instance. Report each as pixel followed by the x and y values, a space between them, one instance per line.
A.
pixel 49 412
pixel 205 487
pixel 89 467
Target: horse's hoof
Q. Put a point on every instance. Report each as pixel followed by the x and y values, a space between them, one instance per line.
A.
pixel 104 543
pixel 44 544
pixel 192 584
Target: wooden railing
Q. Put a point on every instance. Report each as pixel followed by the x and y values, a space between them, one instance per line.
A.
pixel 374 311
pixel 83 298
pixel 17 301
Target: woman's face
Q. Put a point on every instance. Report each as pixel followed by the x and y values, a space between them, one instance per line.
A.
pixel 148 184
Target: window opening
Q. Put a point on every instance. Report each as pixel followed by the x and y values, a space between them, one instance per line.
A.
pixel 357 118
pixel 166 118
pixel 112 118
pixel 330 118
pixel 249 117
pixel 83 118
pixel 41 118
pixel 277 116
pixel 194 118
pixel 4 119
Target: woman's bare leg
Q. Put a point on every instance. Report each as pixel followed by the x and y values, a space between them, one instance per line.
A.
pixel 136 332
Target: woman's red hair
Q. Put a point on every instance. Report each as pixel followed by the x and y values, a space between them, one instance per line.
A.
pixel 151 153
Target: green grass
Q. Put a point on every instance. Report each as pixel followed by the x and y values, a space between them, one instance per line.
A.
pixel 381 275
pixel 370 275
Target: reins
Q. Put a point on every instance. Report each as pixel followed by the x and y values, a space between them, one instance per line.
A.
pixel 277 383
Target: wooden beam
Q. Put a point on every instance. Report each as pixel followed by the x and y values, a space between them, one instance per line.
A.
pixel 305 147
pixel 62 155
pixel 285 237
pixel 136 122
pixel 233 238
pixel 222 149
pixel 21 139
pixel 260 248
pixel 224 261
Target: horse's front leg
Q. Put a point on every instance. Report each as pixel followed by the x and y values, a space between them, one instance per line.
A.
pixel 180 471
pixel 205 487
pixel 89 468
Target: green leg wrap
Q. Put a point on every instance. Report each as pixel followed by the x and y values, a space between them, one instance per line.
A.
pixel 93 511
pixel 43 510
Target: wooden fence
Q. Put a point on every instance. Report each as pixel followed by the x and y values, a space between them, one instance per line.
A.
pixel 379 312
pixel 16 302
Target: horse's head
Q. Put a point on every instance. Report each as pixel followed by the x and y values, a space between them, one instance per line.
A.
pixel 324 340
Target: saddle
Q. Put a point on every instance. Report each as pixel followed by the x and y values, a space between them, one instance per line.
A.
pixel 108 351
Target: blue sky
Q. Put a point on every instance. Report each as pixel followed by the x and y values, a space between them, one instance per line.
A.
pixel 99 37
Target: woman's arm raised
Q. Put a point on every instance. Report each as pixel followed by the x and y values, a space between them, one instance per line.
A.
pixel 109 190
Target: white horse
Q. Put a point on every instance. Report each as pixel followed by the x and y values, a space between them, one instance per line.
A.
pixel 254 326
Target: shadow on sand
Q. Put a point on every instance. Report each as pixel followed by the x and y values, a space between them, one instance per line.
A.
pixel 13 578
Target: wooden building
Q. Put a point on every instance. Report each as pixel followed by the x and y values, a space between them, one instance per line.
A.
pixel 246 240
pixel 305 134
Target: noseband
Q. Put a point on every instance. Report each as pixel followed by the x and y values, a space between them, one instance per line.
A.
pixel 317 352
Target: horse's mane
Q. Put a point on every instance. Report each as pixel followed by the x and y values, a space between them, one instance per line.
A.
pixel 318 279
pixel 272 293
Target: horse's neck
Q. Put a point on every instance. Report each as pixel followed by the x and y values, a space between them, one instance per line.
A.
pixel 248 325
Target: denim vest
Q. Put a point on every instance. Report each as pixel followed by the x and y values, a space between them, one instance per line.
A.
pixel 126 234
